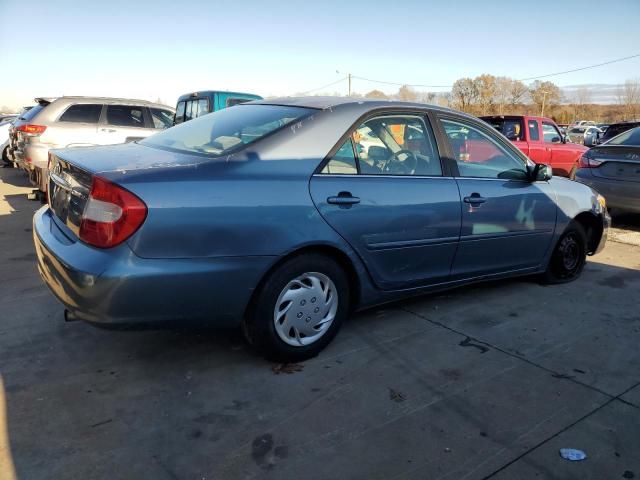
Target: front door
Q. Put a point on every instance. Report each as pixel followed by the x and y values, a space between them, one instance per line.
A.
pixel 507 221
pixel 385 193
pixel 563 156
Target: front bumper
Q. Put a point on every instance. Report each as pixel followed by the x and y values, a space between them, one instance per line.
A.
pixel 115 287
pixel 619 194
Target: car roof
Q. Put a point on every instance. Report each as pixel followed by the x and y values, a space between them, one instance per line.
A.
pixel 107 99
pixel 199 93
pixel 323 103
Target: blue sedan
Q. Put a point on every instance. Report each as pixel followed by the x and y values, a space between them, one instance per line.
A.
pixel 283 216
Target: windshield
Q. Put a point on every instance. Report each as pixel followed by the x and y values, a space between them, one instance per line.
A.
pixel 630 137
pixel 226 130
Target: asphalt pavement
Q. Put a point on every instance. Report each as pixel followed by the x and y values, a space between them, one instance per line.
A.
pixel 485 381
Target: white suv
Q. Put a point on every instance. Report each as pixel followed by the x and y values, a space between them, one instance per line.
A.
pixel 79 122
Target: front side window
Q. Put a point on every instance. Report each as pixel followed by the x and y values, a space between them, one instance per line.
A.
pixel 227 130
pixel 180 112
pixel 343 161
pixel 396 145
pixel 125 116
pixel 550 133
pixel 82 113
pixel 534 132
pixel 161 118
pixel 478 155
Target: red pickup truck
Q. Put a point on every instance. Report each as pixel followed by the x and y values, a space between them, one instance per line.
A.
pixel 540 139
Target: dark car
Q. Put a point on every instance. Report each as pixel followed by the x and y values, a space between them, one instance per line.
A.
pixel 613 169
pixel 267 215
pixel 616 129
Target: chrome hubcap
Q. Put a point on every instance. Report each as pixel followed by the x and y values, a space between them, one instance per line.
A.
pixel 305 309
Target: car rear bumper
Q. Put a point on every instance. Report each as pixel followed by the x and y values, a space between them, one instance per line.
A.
pixel 619 194
pixel 115 287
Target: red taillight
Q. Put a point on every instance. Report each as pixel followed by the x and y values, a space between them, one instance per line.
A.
pixel 31 129
pixel 587 161
pixel 111 215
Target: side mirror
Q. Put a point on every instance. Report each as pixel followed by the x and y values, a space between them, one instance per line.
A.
pixel 555 140
pixel 541 173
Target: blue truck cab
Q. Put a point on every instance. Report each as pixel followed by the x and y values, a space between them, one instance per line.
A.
pixel 196 104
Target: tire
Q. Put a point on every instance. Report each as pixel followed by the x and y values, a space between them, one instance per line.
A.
pixel 5 158
pixel 314 285
pixel 569 256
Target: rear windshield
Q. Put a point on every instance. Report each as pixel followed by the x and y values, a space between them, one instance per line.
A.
pixel 630 137
pixel 509 127
pixel 614 130
pixel 32 112
pixel 227 130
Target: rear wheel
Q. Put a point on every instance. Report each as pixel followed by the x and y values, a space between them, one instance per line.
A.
pixel 299 308
pixel 569 256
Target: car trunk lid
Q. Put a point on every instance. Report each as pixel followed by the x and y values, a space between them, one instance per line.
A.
pixel 618 162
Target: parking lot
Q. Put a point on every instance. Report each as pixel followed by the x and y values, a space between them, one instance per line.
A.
pixel 488 381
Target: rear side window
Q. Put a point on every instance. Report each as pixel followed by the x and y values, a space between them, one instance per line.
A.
pixel 236 101
pixel 534 132
pixel 161 118
pixel 125 116
pixel 343 162
pixel 82 113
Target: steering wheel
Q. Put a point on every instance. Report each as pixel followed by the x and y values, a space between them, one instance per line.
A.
pixel 396 165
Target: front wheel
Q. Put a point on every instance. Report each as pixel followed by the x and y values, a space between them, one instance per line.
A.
pixel 569 256
pixel 298 309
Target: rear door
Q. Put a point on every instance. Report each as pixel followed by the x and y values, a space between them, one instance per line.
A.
pixel 507 221
pixel 123 123
pixel 538 151
pixel 383 189
pixel 77 126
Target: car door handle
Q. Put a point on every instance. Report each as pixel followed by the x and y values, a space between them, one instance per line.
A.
pixel 109 130
pixel 343 198
pixel 474 199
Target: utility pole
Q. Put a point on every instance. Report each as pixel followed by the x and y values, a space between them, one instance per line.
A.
pixel 349 85
pixel 544 97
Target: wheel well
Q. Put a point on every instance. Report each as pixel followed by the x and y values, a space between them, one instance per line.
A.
pixel 593 228
pixel 332 252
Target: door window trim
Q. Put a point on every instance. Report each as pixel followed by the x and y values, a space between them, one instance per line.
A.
pixel 424 115
pixel 507 145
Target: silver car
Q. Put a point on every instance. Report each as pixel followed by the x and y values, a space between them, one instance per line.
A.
pixel 584 135
pixel 79 122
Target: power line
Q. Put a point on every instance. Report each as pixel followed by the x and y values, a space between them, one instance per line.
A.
pixel 522 79
pixel 324 86
pixel 582 68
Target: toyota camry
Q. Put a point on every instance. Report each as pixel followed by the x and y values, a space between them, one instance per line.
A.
pixel 283 216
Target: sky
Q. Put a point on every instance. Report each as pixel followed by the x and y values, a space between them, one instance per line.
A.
pixel 162 49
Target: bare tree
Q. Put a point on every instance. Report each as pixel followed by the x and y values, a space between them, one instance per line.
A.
pixel 581 104
pixel 376 94
pixel 517 93
pixel 629 98
pixel 464 94
pixel 486 87
pixel 407 94
pixel 501 94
